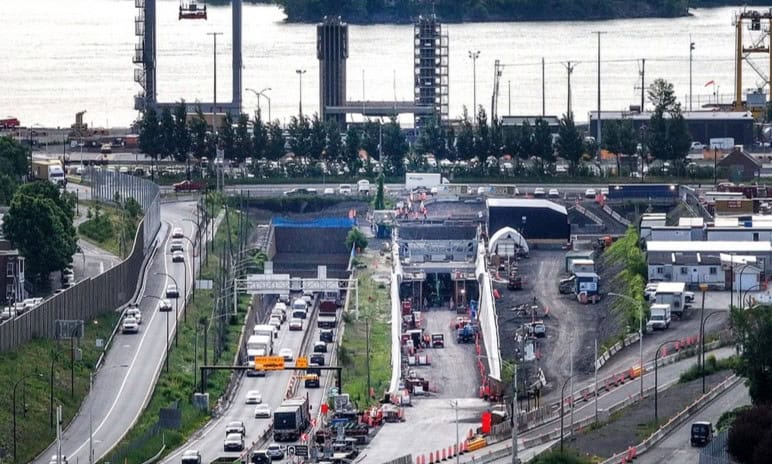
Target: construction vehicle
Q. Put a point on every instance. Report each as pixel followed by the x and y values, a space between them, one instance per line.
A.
pixel 603 242
pixel 291 419
pixel 438 340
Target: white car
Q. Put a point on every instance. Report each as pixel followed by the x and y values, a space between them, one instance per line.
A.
pixel 254 397
pixel 262 410
pixel 590 193
pixel 296 324
pixel 134 312
pixel 130 325
pixel 233 442
pixel 275 322
pixel 275 451
pixel 344 189
pixel 328 191
pixel 177 232
pixel 650 290
pixel 538 192
pixel 287 354
pixel 553 193
pixel 178 257
pixel 172 291
pixel 696 146
pixel 176 245
pixel 164 306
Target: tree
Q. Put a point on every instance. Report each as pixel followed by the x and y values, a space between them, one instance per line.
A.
pixel 276 142
pixel 542 144
pixel 394 146
pixel 465 140
pixel 570 144
pixel 64 202
pixel 353 144
pixel 299 136
pixel 198 130
pixel 379 202
pixel 753 329
pixel 42 232
pixel 317 137
pixel 150 134
pixel 167 126
pixel 371 141
pixel 482 138
pixel 432 139
pixel 356 238
pixel 227 138
pixel 243 147
pixel 334 148
pixel 182 138
pixel 667 136
pixel 14 165
pixel 661 95
pixel 259 137
pixel 750 435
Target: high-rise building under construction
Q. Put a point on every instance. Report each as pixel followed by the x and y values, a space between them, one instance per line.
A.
pixel 332 52
pixel 431 68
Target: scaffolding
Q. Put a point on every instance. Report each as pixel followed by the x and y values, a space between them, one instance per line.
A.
pixel 431 69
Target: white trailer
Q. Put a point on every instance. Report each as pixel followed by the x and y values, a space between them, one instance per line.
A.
pixel 673 294
pixel 423 179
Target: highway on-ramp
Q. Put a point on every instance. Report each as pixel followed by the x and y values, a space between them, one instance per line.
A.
pixel 126 379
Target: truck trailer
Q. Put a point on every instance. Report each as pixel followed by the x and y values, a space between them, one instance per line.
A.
pixel 427 180
pixel 291 419
pixel 673 294
pixel 50 170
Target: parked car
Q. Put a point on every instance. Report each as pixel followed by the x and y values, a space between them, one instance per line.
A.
pixel 6 313
pixel 696 146
pixel 275 451
pixel 328 191
pixel 300 192
pixel 650 290
pixel 538 192
pixel 254 397
pixel 344 189
pixel 262 410
pixel 233 442
pixel 130 325
pixel 287 354
pixel 177 232
pixel 178 257
pixel 164 306
pixel 296 324
pixel 590 193
pixel 188 186
pixel 553 193
pixel 172 291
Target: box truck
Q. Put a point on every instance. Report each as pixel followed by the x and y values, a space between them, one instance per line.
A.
pixel 50 170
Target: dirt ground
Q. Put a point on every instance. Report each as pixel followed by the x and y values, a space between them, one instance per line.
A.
pixel 571 326
pixel 629 424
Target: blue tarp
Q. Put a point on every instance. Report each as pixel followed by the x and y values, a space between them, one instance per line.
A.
pixel 330 223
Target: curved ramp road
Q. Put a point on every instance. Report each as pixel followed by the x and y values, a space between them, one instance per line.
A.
pixel 124 383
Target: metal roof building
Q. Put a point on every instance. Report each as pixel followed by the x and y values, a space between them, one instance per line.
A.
pixel 535 219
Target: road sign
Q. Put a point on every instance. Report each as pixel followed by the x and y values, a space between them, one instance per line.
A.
pixel 302 362
pixel 301 450
pixel 269 363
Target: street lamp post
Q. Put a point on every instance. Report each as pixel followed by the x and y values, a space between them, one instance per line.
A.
pixel 702 343
pixel 300 73
pixel 176 305
pixel 562 403
pixel 262 94
pixel 656 358
pixel 745 298
pixel 640 331
pixel 474 56
pixel 15 385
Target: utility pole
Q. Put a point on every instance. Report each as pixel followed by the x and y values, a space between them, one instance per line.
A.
pixel 543 92
pixel 515 460
pixel 691 52
pixel 509 97
pixel 643 81
pixel 474 56
pixel 598 140
pixel 596 380
pixel 570 69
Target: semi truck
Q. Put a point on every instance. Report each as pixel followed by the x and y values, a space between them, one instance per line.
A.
pixel 426 180
pixel 50 170
pixel 291 419
pixel 672 294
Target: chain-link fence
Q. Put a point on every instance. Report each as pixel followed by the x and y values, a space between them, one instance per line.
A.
pixel 107 291
pixel 715 451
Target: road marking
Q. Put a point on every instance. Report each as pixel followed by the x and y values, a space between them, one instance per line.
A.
pixel 131 367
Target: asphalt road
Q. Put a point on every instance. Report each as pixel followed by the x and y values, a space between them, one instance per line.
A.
pixel 124 383
pixel 676 449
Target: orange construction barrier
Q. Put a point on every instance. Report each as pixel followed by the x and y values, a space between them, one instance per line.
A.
pixel 471 434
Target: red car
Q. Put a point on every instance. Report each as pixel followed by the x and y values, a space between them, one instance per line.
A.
pixel 9 123
pixel 188 186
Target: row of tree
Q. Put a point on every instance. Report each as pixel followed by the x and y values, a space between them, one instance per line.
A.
pixel 14 165
pixel 174 135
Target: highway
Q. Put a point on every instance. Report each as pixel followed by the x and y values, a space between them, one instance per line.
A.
pixel 123 385
pixel 676 448
pixel 209 440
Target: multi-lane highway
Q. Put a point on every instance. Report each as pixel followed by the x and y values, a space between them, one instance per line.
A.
pixel 124 383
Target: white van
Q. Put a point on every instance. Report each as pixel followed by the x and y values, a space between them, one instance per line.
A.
pixel 299 308
pixel 363 187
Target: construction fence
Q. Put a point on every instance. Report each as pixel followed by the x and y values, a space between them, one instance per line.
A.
pixel 105 292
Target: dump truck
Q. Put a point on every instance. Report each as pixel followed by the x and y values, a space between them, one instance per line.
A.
pixel 291 419
pixel 50 170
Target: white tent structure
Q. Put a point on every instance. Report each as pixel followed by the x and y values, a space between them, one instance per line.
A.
pixel 506 241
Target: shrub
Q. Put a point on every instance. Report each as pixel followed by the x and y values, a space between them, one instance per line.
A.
pixel 751 432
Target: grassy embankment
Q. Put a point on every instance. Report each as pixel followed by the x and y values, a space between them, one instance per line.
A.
pixel 177 386
pixel 110 227
pixel 34 359
pixel 373 307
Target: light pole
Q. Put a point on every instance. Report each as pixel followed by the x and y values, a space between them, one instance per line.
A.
pixel 454 405
pixel 167 328
pixel 691 51
pixel 562 403
pixel 14 410
pixel 640 330
pixel 214 87
pixel 262 94
pixel 474 56
pixel 300 73
pixel 745 299
pixel 176 305
pixel 656 358
pixel 702 343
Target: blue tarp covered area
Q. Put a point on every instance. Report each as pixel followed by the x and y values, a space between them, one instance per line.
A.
pixel 326 223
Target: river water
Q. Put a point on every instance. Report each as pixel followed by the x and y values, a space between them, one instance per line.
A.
pixel 62 56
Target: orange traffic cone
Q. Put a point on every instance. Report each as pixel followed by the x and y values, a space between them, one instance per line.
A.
pixel 444 455
pixel 431 457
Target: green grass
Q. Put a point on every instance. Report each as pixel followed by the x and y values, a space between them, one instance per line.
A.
pixel 33 430
pixel 104 230
pixel 178 385
pixel 712 365
pixel 373 302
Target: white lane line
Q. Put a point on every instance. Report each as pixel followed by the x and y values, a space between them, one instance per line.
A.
pixel 131 367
